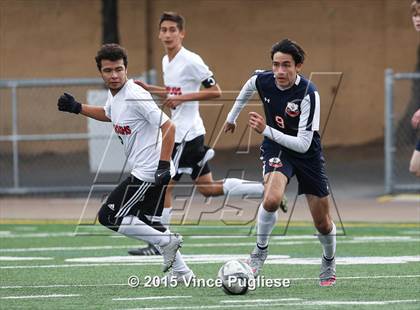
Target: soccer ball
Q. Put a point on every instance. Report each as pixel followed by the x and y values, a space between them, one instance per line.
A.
pixel 235 276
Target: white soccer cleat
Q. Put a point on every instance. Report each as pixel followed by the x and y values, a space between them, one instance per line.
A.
pixel 169 251
pixel 207 156
pixel 327 276
pixel 172 278
pixel 256 260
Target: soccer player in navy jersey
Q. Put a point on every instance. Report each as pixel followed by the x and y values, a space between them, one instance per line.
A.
pixel 291 147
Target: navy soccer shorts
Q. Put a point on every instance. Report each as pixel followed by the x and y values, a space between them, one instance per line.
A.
pixel 187 155
pixel 310 172
pixel 418 145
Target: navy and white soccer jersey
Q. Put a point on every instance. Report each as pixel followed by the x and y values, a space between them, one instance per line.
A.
pixel 291 143
pixel 292 115
pixel 293 111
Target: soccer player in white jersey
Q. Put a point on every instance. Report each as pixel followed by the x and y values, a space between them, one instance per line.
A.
pixel 291 147
pixel 184 72
pixel 135 206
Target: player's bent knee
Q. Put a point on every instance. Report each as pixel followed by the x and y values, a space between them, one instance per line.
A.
pixel 107 218
pixel 271 203
pixel 323 227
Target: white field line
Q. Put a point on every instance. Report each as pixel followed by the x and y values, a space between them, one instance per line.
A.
pixel 76 265
pixel 41 296
pixel 9 234
pixel 70 248
pixel 61 285
pixel 233 301
pixel 94 230
pixel 209 259
pixel 272 259
pixel 303 303
pixel 240 237
pixel 362 277
pixel 125 284
pixel 323 302
pixel 149 298
pixel 354 240
pixel 385 238
pixel 44 235
pixel 20 258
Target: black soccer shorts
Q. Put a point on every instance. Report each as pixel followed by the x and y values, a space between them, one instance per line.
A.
pixel 137 197
pixel 187 155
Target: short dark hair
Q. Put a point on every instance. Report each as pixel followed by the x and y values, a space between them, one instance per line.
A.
pixel 415 7
pixel 113 52
pixel 287 46
pixel 173 17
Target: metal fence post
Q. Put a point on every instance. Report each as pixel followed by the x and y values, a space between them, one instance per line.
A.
pixel 15 146
pixel 389 128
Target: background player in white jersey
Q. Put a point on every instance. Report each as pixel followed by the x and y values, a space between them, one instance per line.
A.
pixel 291 147
pixel 184 72
pixel 135 206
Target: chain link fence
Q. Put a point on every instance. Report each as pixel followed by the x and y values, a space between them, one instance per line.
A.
pixel 43 150
pixel 401 101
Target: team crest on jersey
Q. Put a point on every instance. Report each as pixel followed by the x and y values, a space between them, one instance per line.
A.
pixel 292 109
pixel 275 162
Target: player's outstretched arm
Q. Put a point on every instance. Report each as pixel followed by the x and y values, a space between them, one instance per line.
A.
pixel 67 103
pixel 245 94
pixel 168 140
pixel 153 89
pixel 208 93
pixel 94 112
pixel 163 172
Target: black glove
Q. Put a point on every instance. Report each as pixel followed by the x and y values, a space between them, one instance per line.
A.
pixel 163 173
pixel 67 103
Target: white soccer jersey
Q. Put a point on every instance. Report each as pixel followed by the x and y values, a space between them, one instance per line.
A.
pixel 137 119
pixel 184 74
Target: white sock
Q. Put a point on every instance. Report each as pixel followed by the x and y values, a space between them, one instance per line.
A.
pixel 166 217
pixel 132 226
pixel 328 242
pixel 179 264
pixel 265 224
pixel 239 187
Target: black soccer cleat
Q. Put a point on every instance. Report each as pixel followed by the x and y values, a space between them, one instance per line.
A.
pixel 147 251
